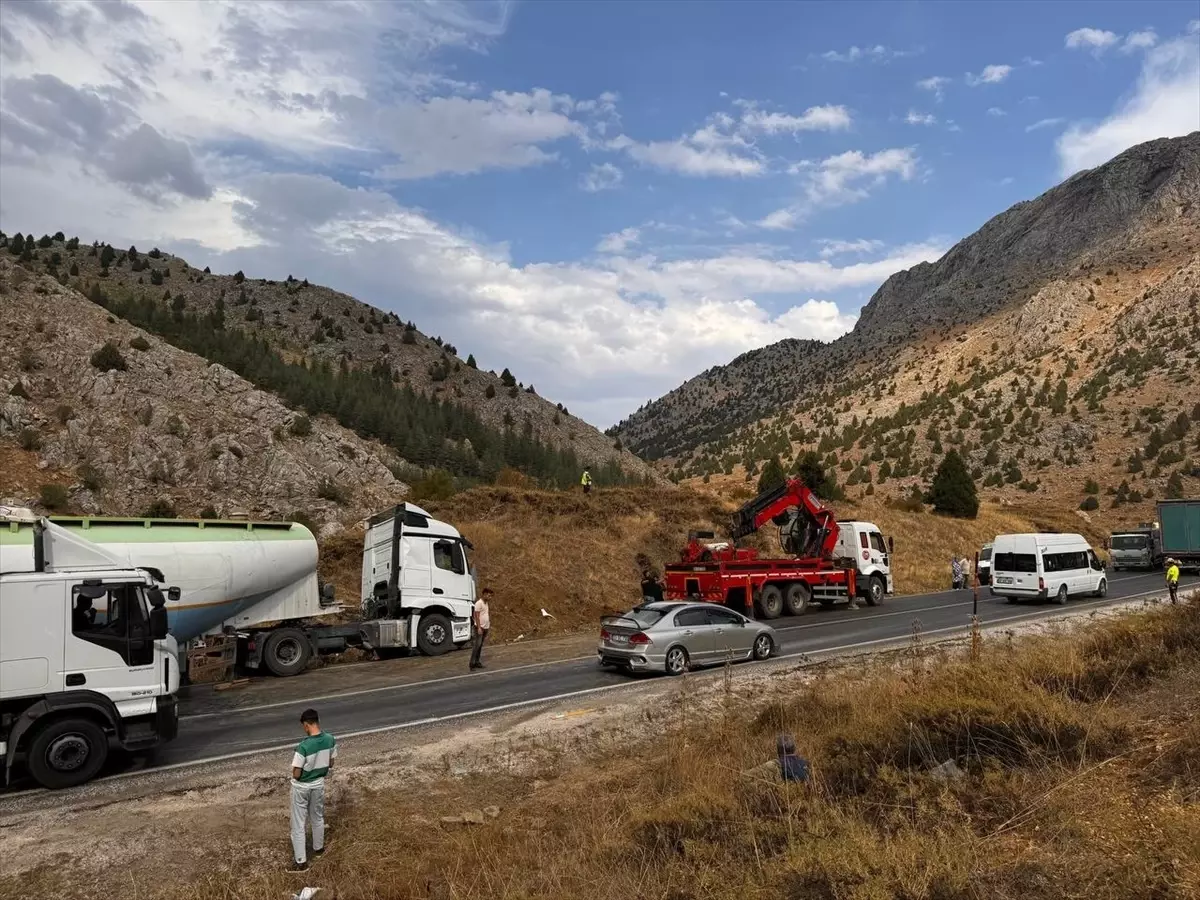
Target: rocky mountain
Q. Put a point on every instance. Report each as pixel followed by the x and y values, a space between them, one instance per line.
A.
pixel 318 325
pixel 1051 347
pixel 98 416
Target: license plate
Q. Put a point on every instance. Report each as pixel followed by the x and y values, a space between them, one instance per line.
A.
pixel 1003 580
pixel 618 639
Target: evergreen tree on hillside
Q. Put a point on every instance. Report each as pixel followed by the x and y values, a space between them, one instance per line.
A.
pixel 772 475
pixel 953 492
pixel 810 470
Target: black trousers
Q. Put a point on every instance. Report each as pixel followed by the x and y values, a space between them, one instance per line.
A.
pixel 477 646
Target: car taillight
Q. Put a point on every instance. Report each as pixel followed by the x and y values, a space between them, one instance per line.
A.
pixel 640 638
pixel 1041 584
pixel 605 634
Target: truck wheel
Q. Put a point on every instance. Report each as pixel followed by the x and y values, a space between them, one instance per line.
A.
pixel 287 652
pixel 875 591
pixel 67 752
pixel 798 595
pixel 770 601
pixel 434 636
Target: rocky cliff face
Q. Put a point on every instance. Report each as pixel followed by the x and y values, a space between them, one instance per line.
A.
pixel 168 429
pixel 1138 212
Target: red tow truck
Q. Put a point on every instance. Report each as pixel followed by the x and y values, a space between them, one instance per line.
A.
pixel 829 562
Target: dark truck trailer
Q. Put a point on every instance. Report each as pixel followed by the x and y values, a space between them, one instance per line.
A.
pixel 1180 520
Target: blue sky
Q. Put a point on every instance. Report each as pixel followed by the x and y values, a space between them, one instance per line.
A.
pixel 607 198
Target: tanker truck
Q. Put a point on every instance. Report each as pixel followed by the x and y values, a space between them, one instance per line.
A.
pixel 259 580
pixel 86 660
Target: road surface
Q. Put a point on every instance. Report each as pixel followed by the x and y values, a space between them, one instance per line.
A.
pixel 209 735
pixel 819 632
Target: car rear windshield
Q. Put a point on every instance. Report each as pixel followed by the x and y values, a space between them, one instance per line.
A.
pixel 1015 562
pixel 644 617
pixel 1129 542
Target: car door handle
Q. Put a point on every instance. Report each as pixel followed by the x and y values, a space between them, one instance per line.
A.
pixel 75 680
pixel 438 591
pixel 689 631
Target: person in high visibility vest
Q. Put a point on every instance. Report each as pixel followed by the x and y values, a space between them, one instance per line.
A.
pixel 586 481
pixel 1173 578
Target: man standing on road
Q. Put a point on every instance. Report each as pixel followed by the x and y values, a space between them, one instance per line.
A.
pixel 312 761
pixel 482 619
pixel 1173 578
pixel 956 572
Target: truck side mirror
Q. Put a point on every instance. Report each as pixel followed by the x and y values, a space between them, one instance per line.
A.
pixel 158 623
pixel 891 545
pixel 173 594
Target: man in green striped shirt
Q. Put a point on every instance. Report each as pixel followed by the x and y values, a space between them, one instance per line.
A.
pixel 311 762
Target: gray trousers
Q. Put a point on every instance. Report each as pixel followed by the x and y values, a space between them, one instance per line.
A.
pixel 308 805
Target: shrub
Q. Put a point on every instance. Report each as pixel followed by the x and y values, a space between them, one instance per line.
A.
pixel 1174 487
pixel 436 485
pixel 108 358
pixel 90 477
pixel 490 393
pixel 329 489
pixel 1090 487
pixel 953 492
pixel 301 426
pixel 140 343
pixel 29 439
pixel 63 413
pixel 160 509
pixel 772 474
pixel 471 361
pixel 53 496
pixel 209 512
pixel 239 277
pixel 18 390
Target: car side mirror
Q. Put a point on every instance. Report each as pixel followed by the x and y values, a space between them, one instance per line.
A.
pixel 173 594
pixel 891 545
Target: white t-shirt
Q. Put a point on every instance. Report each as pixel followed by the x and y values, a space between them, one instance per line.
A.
pixel 481 614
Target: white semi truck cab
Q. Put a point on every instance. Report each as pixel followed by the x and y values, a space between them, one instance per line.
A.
pixel 86 661
pixel 418 585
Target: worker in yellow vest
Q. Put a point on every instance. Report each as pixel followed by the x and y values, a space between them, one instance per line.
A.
pixel 586 481
pixel 1173 578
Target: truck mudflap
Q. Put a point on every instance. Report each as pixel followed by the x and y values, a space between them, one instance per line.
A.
pixel 166 718
pixel 460 630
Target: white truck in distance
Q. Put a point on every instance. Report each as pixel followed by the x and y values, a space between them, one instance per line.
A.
pixel 85 658
pixel 259 579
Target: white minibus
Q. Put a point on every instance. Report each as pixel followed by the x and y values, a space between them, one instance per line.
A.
pixel 1028 566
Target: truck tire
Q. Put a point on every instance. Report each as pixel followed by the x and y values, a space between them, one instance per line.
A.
pixel 434 636
pixel 67 753
pixel 770 601
pixel 287 652
pixel 798 596
pixel 876 590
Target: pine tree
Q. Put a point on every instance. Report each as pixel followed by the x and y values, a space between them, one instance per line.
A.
pixel 471 361
pixel 953 492
pixel 772 475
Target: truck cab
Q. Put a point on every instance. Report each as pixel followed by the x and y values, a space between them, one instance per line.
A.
pixel 1136 548
pixel 863 542
pixel 86 661
pixel 418 585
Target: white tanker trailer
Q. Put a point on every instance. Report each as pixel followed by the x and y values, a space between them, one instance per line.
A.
pixel 259 579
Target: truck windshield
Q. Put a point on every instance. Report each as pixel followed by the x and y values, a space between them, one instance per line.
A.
pixel 1129 542
pixel 985 554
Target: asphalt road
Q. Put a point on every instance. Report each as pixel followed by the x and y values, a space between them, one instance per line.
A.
pixel 214 736
pixel 820 632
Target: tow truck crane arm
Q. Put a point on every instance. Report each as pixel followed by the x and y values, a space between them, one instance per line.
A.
pixel 810 531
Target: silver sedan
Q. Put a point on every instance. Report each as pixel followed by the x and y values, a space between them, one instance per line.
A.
pixel 672 637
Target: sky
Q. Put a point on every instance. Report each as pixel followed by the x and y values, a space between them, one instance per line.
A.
pixel 607 198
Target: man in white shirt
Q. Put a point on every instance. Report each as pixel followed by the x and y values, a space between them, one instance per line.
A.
pixel 482 620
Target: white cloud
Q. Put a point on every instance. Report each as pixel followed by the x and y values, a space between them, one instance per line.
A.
pixel 602 177
pixel 996 111
pixel 831 248
pixel 779 220
pixel 936 85
pixel 815 118
pixel 1139 40
pixel 1044 123
pixel 619 241
pixel 916 118
pixel 1095 39
pixel 1165 102
pixel 877 53
pixel 724 147
pixel 989 75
